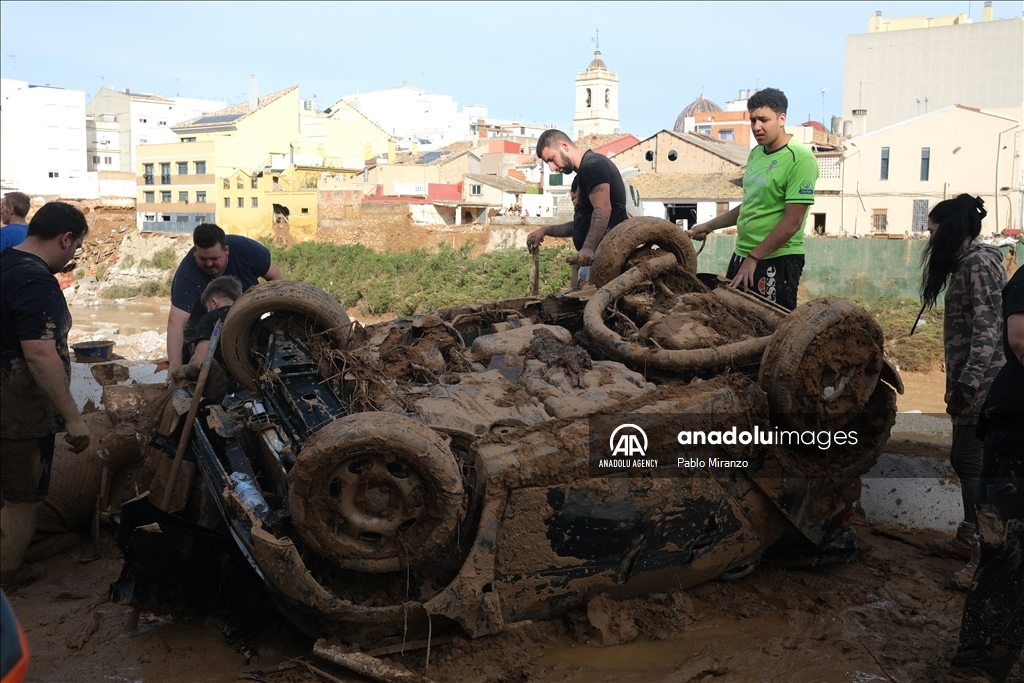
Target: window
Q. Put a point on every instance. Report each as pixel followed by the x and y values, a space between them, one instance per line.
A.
pixel 920 221
pixel 150 197
pixel 239 184
pixel 107 160
pixel 879 220
pixel 161 123
pixel 704 130
pixel 142 141
pixel 165 196
pixel 304 210
pixel 182 168
pixel 95 160
pixel 227 184
pixel 183 218
pixel 252 183
pixel 188 139
pixel 165 217
pixel 255 203
pixel 54 174
pixel 150 217
pixel 926 159
pixel 200 167
pixel 200 218
pixel 147 173
pixel 475 190
pixel 165 173
pixel 241 202
pixel 200 196
pixel 884 174
pixel 183 196
pixel 142 120
pixel 227 202
pixel 726 134
pixel 555 180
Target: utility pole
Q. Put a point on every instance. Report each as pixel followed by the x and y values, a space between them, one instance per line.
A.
pixel 824 125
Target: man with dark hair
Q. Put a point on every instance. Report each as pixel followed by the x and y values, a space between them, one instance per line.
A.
pixel 35 373
pixel 13 209
pixel 601 204
pixel 213 255
pixel 778 186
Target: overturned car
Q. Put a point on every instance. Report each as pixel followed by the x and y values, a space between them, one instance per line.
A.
pixel 466 469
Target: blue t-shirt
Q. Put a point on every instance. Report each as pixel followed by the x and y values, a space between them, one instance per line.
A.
pixel 12 235
pixel 248 260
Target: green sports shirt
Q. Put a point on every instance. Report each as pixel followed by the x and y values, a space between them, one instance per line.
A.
pixel 772 180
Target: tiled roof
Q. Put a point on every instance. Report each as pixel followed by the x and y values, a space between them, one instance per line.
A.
pixel 503 183
pixel 729 151
pixel 438 156
pixel 592 141
pixel 718 186
pixel 241 109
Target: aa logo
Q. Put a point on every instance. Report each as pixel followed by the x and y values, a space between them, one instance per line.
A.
pixel 628 443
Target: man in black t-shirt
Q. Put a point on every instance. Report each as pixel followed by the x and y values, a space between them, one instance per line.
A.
pixel 217 299
pixel 992 627
pixel 602 196
pixel 213 255
pixel 35 373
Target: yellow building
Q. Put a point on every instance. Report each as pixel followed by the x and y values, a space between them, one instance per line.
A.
pixel 234 165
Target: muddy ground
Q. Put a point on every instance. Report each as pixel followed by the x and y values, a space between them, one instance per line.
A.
pixel 887 616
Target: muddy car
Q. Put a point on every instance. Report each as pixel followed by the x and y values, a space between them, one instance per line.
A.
pixel 459 469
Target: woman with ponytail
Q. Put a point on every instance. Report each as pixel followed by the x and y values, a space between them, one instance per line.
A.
pixel 973 277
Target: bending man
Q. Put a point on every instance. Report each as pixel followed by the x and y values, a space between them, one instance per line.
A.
pixel 601 204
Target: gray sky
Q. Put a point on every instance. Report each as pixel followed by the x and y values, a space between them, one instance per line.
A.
pixel 519 58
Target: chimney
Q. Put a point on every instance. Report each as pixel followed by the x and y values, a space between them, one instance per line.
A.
pixel 986 13
pixel 875 25
pixel 254 93
pixel 127 91
pixel 837 125
pixel 860 121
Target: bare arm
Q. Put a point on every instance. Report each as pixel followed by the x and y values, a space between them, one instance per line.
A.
pixel 196 363
pixel 534 239
pixel 726 220
pixel 791 221
pixel 273 273
pixel 48 371
pixel 601 200
pixel 176 320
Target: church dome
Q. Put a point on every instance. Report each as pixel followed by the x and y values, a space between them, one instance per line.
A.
pixel 597 63
pixel 698 106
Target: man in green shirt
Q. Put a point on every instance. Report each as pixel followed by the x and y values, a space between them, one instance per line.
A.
pixel 778 186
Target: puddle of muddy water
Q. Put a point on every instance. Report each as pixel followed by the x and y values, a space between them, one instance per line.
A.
pixel 130 318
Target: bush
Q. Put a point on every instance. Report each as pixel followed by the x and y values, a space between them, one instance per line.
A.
pixel 420 280
pixel 120 292
pixel 165 259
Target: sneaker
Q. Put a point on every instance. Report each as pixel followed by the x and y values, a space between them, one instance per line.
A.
pixel 960 547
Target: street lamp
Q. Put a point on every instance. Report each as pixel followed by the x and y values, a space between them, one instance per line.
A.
pixel 824 125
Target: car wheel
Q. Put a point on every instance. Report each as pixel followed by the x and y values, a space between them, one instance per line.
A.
pixel 299 306
pixel 822 364
pixel 632 241
pixel 376 492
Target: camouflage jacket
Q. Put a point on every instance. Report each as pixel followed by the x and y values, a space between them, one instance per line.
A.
pixel 972 329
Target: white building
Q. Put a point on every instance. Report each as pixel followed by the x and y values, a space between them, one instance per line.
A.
pixel 43 141
pixel 407 114
pixel 144 119
pixel 103 143
pixel 910 66
pixel 597 100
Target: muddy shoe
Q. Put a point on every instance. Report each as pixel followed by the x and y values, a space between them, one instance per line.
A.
pixel 963 578
pixel 957 548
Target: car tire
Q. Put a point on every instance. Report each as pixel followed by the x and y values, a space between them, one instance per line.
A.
pixel 376 492
pixel 822 364
pixel 628 239
pixel 318 310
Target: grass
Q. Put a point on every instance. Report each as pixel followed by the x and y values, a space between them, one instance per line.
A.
pixel 918 353
pixel 164 259
pixel 417 281
pixel 150 288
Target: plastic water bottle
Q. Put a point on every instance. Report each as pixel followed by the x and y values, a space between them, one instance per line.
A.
pixel 249 494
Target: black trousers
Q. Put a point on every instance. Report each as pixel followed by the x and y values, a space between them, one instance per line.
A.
pixel 776 279
pixel 992 628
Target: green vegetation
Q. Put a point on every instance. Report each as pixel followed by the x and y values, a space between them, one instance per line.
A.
pixel 150 288
pixel 120 291
pixel 101 273
pixel 128 261
pixel 164 259
pixel 420 280
pixel 918 353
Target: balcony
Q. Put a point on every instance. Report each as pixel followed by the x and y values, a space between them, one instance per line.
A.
pixel 148 179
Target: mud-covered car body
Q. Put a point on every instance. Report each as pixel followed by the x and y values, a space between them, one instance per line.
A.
pixel 474 486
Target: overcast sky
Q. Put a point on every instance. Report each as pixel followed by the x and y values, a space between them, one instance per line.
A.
pixel 519 58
